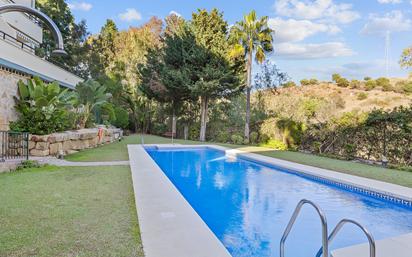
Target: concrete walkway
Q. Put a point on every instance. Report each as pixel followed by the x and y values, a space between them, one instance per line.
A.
pixel 59 162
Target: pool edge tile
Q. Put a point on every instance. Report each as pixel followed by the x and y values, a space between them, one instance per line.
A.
pixel 169 226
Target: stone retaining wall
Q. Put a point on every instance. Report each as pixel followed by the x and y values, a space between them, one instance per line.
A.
pixel 71 141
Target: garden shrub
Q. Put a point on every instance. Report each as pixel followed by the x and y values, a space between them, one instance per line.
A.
pixel 237 139
pixel 43 108
pixel 159 129
pixel 254 137
pixel 263 139
pixel 223 137
pixel 275 144
pixel 122 118
pixel 194 132
pixel 362 96
pixel 364 135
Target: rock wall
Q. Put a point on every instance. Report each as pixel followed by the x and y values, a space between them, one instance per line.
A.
pixel 8 89
pixel 71 141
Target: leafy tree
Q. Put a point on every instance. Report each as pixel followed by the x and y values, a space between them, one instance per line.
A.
pixel 406 58
pixel 167 75
pixel 213 76
pixel 251 36
pixel 103 50
pixel 270 77
pixel 74 35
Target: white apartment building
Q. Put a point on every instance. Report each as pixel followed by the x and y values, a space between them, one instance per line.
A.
pixel 19 35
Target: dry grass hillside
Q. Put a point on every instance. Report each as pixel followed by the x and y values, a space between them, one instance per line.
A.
pixel 325 100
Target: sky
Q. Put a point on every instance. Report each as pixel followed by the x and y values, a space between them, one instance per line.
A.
pixel 313 38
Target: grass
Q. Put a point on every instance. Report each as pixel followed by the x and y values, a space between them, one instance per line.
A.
pixel 68 211
pixel 118 151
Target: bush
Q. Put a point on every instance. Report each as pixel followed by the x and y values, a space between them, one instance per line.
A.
pixel 237 139
pixel 159 129
pixel 355 84
pixel 263 139
pixel 384 83
pixel 289 84
pixel 309 82
pixel 362 96
pixel 336 77
pixel 43 108
pixel 28 164
pixel 304 82
pixel 407 87
pixel 342 82
pixel 276 144
pixel 122 118
pixel 370 84
pixel 223 137
pixel 367 78
pixel 254 137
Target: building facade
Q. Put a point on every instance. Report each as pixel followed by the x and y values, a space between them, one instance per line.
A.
pixel 20 34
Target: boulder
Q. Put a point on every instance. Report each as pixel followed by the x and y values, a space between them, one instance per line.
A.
pixel 42 145
pixel 37 138
pixel 32 145
pixel 56 148
pixel 39 153
pixel 58 137
pixel 67 145
pixel 77 145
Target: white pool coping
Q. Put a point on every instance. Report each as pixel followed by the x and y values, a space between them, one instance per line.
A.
pixel 392 247
pixel 169 226
pixel 165 217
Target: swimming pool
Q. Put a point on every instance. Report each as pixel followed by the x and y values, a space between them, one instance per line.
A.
pixel 248 205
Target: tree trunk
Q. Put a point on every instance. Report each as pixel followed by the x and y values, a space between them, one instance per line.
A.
pixel 174 122
pixel 186 131
pixel 203 119
pixel 248 89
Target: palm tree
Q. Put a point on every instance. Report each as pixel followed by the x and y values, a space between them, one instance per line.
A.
pixel 251 36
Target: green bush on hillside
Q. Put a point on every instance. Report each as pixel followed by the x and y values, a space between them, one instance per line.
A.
pixel 384 83
pixel 254 136
pixel 370 84
pixel 362 96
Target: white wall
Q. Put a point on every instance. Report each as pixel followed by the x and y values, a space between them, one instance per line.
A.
pixel 13 57
pixel 22 22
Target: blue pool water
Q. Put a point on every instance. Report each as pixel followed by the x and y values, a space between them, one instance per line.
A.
pixel 248 205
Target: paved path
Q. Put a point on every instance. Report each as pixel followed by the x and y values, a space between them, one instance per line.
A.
pixel 59 162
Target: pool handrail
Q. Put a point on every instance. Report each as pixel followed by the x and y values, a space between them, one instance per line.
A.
pixel 325 246
pixel 372 245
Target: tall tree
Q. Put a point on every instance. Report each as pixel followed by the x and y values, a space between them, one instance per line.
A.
pixel 213 76
pixel 406 58
pixel 74 36
pixel 103 50
pixel 166 76
pixel 251 36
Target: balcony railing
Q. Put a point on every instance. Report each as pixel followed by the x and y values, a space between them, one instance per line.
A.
pixel 16 42
pixel 14 145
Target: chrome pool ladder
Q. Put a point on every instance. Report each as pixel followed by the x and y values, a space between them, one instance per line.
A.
pixel 326 240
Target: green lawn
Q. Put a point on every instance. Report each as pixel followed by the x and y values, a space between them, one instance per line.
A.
pixel 118 151
pixel 68 211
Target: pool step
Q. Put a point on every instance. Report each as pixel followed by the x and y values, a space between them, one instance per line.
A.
pixel 392 247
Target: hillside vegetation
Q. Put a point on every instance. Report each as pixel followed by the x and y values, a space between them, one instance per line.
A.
pixel 329 100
